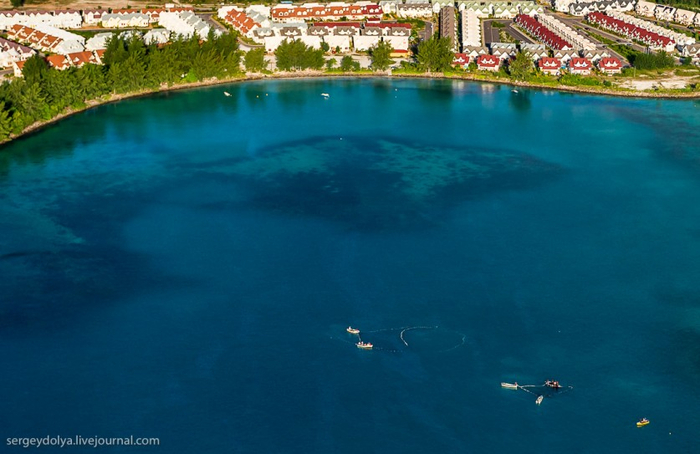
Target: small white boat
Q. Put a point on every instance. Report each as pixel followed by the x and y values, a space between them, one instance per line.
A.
pixel 325 95
pixel 364 345
pixel 352 330
pixel 227 93
pixel 539 400
pixel 514 90
pixel 510 385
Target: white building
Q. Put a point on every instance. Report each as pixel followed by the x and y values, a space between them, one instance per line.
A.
pixel 471 29
pixel 397 42
pixel 156 36
pixel 341 42
pixel 364 42
pixel 99 41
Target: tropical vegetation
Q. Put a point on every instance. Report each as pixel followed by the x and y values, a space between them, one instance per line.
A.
pixel 129 66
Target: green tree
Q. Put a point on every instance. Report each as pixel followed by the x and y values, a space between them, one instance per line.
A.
pixel 35 69
pixel 435 54
pixel 330 63
pixel 290 55
pixel 254 60
pixel 116 51
pixel 520 67
pixel 5 122
pixel 381 56
pixel 32 103
pixel 126 76
pixel 347 64
pixel 17 3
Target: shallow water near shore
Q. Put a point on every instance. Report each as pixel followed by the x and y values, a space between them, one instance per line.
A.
pixel 184 267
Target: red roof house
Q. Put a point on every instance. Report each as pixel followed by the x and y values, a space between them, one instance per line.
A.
pixel 609 65
pixel 461 60
pixel 59 62
pixel 580 66
pixel 549 65
pixel 488 62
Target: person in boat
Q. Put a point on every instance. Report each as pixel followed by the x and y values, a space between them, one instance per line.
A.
pixel 643 420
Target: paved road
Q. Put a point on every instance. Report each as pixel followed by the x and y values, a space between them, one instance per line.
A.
pixel 429 30
pixel 579 24
pixel 517 34
pixel 207 17
pixel 491 34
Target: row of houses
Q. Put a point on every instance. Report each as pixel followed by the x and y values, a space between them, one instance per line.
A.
pixel 332 11
pixel 11 52
pixel 541 32
pixel 184 23
pixel 577 40
pixel 341 44
pixel 651 39
pixel 535 51
pixel 667 13
pixel 35 19
pixel 501 10
pixel 583 7
pixel 72 19
pixel 547 65
pixel 680 38
pixel 342 35
pixel 47 39
pixel 63 62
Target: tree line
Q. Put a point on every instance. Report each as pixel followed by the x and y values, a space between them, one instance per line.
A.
pixel 129 66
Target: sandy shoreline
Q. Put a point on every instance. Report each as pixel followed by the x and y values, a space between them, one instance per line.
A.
pixel 34 127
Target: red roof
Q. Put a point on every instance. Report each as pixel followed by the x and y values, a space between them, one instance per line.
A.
pixel 337 24
pixel 488 61
pixel 460 59
pixel 80 58
pixel 539 31
pixel 609 64
pixel 549 63
pixel 335 11
pixel 580 64
pixel 58 61
pixel 629 30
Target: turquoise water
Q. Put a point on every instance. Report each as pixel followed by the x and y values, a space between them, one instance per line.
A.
pixel 184 267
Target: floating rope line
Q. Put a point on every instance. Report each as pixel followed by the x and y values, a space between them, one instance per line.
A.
pixel 402 331
pixel 544 390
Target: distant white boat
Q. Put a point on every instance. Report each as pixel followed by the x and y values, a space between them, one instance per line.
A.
pixel 325 95
pixel 539 400
pixel 514 90
pixel 509 385
pixel 227 93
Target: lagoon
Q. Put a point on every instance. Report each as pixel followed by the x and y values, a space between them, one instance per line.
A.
pixel 184 266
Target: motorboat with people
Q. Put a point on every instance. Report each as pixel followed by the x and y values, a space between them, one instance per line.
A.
pixel 510 385
pixel 642 422
pixel 364 345
pixel 552 384
pixel 539 400
pixel 352 330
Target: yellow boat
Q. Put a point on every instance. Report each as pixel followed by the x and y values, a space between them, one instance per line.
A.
pixel 642 422
pixel 364 345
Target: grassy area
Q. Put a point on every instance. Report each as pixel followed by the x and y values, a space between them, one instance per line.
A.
pixel 496 24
